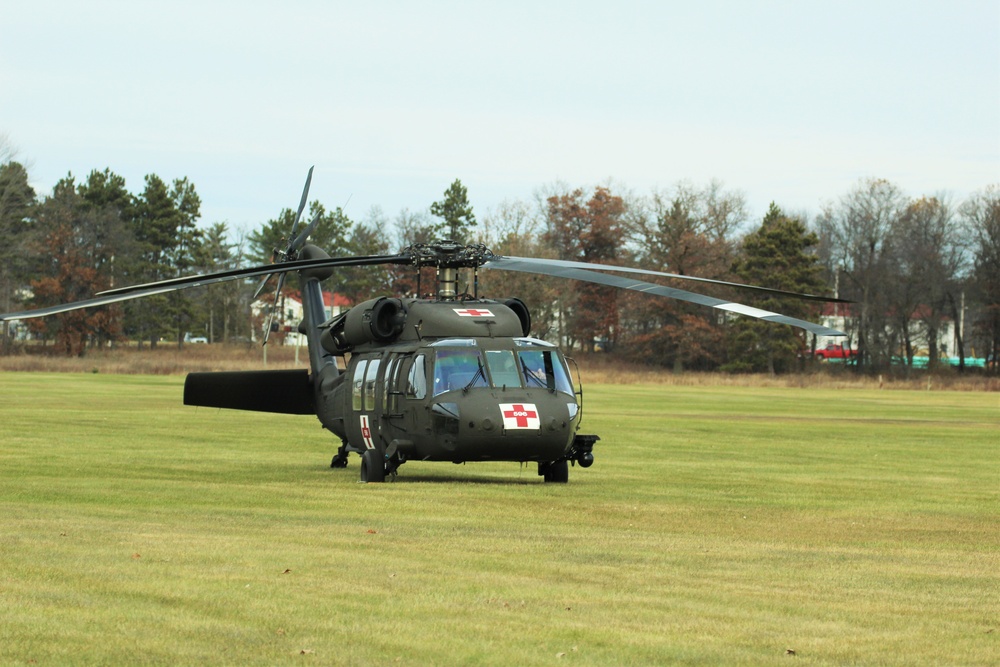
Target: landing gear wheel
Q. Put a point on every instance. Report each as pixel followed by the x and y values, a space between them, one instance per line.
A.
pixel 557 471
pixel 340 458
pixel 372 466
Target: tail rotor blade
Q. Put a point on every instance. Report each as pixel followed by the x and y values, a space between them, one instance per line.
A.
pixel 263 284
pixel 289 254
pixel 274 307
pixel 302 205
pixel 300 240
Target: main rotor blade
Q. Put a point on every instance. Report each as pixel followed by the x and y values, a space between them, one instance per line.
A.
pixel 535 265
pixel 252 271
pixel 173 284
pixel 622 282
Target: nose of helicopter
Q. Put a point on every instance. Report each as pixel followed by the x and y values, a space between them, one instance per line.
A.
pixel 536 427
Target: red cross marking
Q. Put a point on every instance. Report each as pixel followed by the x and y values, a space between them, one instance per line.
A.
pixel 521 414
pixel 366 432
pixel 473 312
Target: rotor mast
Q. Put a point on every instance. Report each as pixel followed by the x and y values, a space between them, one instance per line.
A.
pixel 447 279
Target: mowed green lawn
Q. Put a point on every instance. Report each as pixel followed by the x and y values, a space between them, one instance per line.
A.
pixel 719 526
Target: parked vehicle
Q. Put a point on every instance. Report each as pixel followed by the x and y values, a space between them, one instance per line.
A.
pixel 835 351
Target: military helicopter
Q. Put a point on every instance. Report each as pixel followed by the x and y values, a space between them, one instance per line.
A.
pixel 450 377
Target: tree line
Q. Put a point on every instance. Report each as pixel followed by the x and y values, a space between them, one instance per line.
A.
pixel 910 265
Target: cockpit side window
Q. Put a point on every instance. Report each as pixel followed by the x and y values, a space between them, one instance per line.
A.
pixel 416 379
pixel 458 369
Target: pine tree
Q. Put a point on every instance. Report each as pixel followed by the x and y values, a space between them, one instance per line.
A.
pixel 164 227
pixel 455 212
pixel 17 206
pixel 777 255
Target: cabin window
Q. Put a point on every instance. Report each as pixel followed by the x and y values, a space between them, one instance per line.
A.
pixel 416 380
pixel 358 383
pixel 370 376
pixel 543 368
pixel 503 368
pixel 389 387
pixel 458 369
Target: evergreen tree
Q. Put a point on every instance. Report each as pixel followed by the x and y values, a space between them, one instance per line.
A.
pixel 106 190
pixel 455 211
pixel 104 196
pixel 17 206
pixel 164 227
pixel 219 304
pixel 777 255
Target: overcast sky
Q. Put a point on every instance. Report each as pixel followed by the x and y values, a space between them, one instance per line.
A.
pixel 786 101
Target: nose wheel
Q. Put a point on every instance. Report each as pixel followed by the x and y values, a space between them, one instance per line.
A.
pixel 582 452
pixel 556 471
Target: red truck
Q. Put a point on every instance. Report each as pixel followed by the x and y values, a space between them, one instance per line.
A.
pixel 833 351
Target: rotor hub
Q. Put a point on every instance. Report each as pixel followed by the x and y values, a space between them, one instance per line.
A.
pixel 449 254
pixel 448 257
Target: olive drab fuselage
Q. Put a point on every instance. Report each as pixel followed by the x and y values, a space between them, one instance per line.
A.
pixel 459 381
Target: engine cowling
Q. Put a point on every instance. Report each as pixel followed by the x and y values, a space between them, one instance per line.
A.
pixel 523 314
pixel 377 320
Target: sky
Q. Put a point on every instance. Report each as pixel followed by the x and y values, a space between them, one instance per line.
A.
pixel 791 102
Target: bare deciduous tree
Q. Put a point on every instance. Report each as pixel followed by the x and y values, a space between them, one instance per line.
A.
pixel 981 212
pixel 858 230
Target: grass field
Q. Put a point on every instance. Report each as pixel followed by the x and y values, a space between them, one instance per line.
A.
pixel 719 526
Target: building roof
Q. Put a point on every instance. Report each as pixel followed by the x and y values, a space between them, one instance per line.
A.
pixel 330 299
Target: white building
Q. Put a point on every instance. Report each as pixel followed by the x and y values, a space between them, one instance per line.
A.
pixel 841 318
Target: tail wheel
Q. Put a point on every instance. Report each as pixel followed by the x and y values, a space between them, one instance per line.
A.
pixel 340 458
pixel 372 466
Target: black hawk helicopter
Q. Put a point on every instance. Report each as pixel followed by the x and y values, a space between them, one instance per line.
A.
pixel 453 377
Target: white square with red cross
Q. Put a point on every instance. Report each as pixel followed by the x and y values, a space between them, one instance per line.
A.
pixel 473 312
pixel 520 415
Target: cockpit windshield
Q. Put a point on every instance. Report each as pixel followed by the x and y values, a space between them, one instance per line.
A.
pixel 503 368
pixel 533 365
pixel 458 369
